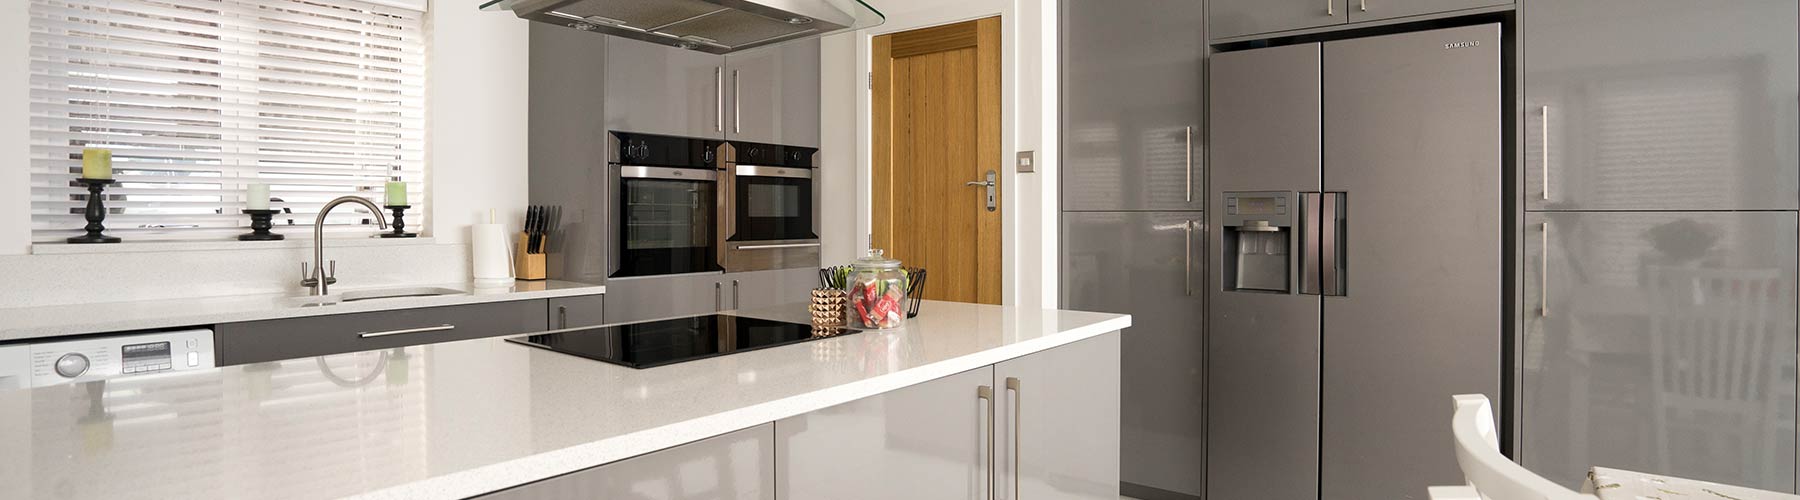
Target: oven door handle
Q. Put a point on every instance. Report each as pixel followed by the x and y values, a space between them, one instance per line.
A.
pixel 771 171
pixel 680 174
pixel 773 247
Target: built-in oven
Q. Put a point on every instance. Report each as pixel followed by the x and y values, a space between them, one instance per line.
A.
pixel 773 207
pixel 665 205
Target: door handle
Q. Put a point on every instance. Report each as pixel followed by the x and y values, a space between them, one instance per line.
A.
pixel 1190 163
pixel 990 184
pixel 562 317
pixel 1187 257
pixel 1331 243
pixel 735 303
pixel 1544 129
pixel 439 328
pixel 1328 9
pixel 737 103
pixel 719 92
pixel 1012 386
pixel 1309 243
pixel 718 296
pixel 1544 273
pixel 984 396
pixel 1362 5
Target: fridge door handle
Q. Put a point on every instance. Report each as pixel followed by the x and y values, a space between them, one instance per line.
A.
pixel 1187 257
pixel 1331 243
pixel 1309 243
pixel 1544 272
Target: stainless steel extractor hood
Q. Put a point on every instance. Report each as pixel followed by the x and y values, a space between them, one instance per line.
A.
pixel 716 26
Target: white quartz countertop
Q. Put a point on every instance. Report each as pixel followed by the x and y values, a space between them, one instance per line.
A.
pixel 462 419
pixel 77 319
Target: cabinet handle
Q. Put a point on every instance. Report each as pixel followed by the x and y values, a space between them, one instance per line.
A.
pixel 1544 273
pixel 1190 163
pixel 1187 258
pixel 1328 10
pixel 719 92
pixel 735 302
pixel 439 328
pixel 562 317
pixel 718 296
pixel 985 397
pixel 737 103
pixel 1012 385
pixel 1544 128
pixel 1362 5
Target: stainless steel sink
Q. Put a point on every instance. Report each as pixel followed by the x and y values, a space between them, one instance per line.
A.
pixel 375 294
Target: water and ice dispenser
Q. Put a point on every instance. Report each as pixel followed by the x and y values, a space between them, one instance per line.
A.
pixel 1257 230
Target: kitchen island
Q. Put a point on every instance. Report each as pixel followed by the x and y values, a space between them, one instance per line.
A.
pixel 479 417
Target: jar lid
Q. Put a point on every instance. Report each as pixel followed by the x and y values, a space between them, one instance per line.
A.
pixel 875 259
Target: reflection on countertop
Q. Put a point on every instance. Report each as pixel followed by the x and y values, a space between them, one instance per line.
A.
pixel 76 319
pixel 464 418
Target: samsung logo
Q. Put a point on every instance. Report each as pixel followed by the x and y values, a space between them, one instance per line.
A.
pixel 1462 45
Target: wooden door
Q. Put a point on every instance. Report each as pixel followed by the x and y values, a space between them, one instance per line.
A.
pixel 936 98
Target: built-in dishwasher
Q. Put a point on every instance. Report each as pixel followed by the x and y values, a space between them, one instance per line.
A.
pixel 98 358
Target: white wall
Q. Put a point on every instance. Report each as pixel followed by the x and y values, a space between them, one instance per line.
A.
pixel 476 160
pixel 1028 122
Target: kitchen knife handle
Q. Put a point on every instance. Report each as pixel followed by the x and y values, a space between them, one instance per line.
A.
pixel 1012 385
pixel 984 396
pixel 1190 163
pixel 1544 129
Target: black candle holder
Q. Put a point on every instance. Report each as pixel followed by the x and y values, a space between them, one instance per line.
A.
pixel 399 223
pixel 260 225
pixel 96 212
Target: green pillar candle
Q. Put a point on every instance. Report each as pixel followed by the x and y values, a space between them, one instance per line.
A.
pixel 396 193
pixel 96 163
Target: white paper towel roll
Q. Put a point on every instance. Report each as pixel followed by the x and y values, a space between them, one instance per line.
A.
pixel 491 252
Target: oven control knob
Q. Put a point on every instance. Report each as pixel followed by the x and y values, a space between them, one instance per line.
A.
pixel 71 365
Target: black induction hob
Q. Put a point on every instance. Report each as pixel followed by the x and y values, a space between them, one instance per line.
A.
pixel 666 342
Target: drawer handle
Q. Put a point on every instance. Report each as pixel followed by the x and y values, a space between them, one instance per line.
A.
pixel 439 328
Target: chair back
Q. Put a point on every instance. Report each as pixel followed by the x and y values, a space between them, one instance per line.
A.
pixel 1490 473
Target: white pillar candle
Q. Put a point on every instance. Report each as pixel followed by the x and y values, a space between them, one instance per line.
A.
pixel 259 197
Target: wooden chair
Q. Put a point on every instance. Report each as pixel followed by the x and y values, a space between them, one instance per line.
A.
pixel 1491 475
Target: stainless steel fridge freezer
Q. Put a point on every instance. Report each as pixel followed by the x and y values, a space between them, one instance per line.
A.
pixel 1356 256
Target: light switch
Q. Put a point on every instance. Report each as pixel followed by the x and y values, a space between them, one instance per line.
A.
pixel 1027 162
pixel 193 358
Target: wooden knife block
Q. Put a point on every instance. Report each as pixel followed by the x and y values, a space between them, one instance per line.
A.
pixel 529 266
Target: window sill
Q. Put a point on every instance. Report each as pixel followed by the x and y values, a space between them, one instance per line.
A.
pixel 226 245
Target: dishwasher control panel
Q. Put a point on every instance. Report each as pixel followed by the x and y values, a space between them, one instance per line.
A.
pixel 100 358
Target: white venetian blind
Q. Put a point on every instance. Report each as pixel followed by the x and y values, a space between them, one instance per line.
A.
pixel 197 99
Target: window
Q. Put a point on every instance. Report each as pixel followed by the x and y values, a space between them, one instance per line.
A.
pixel 197 99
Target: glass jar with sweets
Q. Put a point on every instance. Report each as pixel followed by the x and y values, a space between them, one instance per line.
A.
pixel 877 291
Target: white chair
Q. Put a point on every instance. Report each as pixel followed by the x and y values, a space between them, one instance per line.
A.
pixel 1491 475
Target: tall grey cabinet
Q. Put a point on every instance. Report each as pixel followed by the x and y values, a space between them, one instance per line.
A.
pixel 1657 324
pixel 1133 191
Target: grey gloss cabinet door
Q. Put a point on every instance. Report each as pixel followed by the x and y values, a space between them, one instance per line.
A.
pixel 577 312
pixel 772 94
pixel 1132 120
pixel 1659 342
pixel 736 466
pixel 1149 265
pixel 1374 10
pixel 655 89
pixel 1683 106
pixel 760 289
pixel 1233 18
pixel 931 440
pixel 1058 422
pixel 640 299
pixel 278 339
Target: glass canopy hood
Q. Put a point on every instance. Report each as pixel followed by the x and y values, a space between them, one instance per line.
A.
pixel 715 26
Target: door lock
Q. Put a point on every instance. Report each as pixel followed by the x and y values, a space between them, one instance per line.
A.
pixel 990 184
